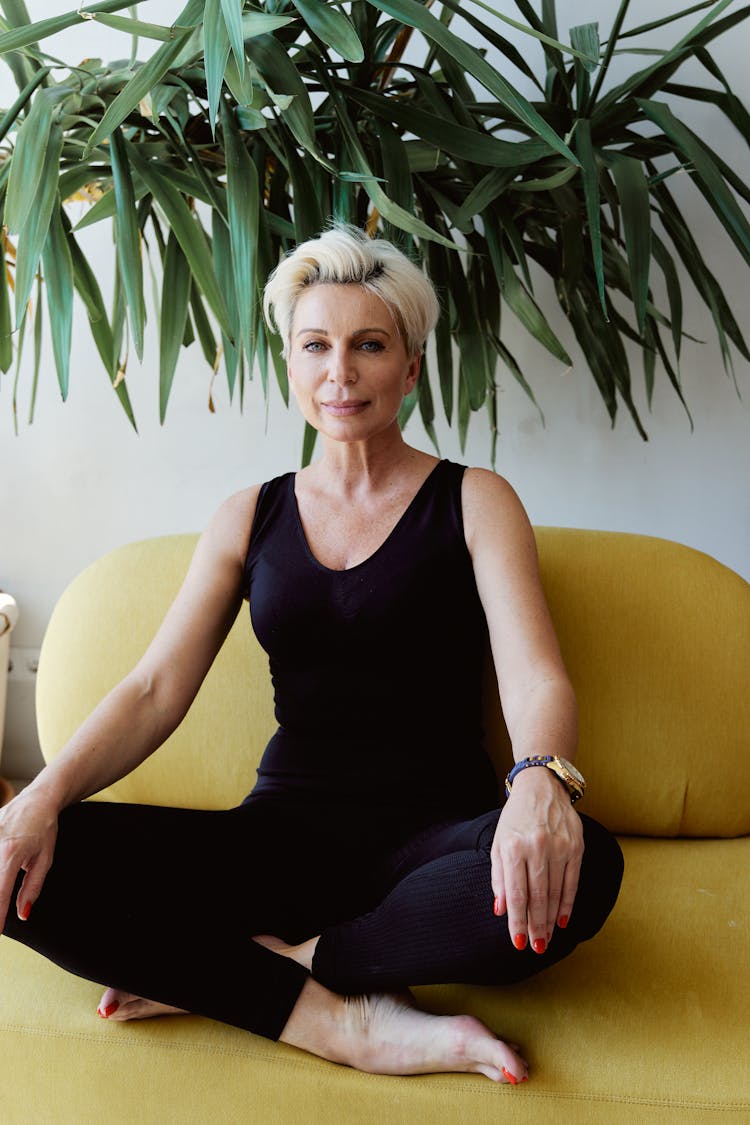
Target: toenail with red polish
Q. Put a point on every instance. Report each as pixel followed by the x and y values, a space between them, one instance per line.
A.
pixel 539 945
pixel 520 941
pixel 511 1077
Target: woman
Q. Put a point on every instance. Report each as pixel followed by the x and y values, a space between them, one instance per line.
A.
pixel 371 854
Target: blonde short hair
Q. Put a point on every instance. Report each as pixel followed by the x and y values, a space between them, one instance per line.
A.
pixel 345 255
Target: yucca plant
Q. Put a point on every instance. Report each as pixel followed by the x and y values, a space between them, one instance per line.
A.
pixel 252 124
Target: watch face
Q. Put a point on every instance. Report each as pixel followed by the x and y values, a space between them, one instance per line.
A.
pixel 576 774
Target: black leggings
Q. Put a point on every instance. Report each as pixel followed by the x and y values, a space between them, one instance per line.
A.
pixel 163 902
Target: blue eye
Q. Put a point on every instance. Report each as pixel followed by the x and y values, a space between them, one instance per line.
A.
pixel 312 346
pixel 372 346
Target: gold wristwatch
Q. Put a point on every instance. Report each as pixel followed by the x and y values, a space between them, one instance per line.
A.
pixel 571 778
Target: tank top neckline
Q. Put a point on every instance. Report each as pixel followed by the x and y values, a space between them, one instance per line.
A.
pixel 388 539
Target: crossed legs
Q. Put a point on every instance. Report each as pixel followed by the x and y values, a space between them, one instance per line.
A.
pixel 171 877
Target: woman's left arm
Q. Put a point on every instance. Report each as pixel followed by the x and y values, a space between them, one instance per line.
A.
pixel 538 845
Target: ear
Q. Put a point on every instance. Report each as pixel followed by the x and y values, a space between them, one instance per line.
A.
pixel 412 374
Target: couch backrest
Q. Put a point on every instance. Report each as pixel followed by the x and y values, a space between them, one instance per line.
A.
pixel 656 638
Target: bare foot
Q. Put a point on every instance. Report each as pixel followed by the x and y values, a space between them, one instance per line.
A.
pixel 302 954
pixel 388 1034
pixel 121 1006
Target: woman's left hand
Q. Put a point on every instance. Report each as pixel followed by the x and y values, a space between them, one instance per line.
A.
pixel 536 858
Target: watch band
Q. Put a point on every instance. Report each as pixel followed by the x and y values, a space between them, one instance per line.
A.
pixel 563 771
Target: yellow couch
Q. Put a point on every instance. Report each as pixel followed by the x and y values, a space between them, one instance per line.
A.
pixel 647 1023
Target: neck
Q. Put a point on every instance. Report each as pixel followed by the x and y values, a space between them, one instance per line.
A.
pixel 351 467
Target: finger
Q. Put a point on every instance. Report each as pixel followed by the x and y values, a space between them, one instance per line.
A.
pixel 538 900
pixel 516 899
pixel 498 885
pixel 569 890
pixel 31 887
pixel 556 878
pixel 9 868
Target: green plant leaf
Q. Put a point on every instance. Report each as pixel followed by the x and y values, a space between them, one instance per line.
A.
pixel 590 173
pixel 203 329
pixel 243 199
pixel 535 31
pixel 175 296
pixel 231 11
pixel 147 77
pixel 9 117
pixel 468 144
pixel 707 176
pixel 484 194
pixel 28 162
pixel 635 201
pixel 281 77
pixel 471 340
pixel 501 44
pixel 332 27
pixel 263 23
pixel 88 289
pixel 31 33
pixel 216 49
pixel 58 273
pixel 674 291
pixel 398 179
pixel 585 39
pixel 387 208
pixel 308 215
pixel 137 27
pixel 512 364
pixel 128 239
pixel 34 233
pixel 416 15
pixel 222 255
pixel 187 230
pixel 426 405
pixel 308 444
pixel 518 298
pixel 6 327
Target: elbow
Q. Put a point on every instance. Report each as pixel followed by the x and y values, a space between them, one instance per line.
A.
pixel 154 697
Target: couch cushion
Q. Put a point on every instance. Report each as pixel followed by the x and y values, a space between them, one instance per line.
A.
pixel 647 1023
pixel 656 638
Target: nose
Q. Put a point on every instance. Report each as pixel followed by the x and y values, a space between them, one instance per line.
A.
pixel 342 369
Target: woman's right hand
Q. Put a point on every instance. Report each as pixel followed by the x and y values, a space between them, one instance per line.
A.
pixel 28 833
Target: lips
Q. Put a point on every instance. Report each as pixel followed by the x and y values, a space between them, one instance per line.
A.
pixel 344 408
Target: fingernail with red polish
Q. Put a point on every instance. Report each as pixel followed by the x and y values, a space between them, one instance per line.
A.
pixel 539 945
pixel 520 941
pixel 108 1011
pixel 525 1078
pixel 511 1077
pixel 562 921
pixel 25 912
pixel 496 907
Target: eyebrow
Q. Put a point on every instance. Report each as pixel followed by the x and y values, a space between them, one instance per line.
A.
pixel 359 332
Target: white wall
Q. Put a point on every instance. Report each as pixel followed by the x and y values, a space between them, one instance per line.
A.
pixel 79 481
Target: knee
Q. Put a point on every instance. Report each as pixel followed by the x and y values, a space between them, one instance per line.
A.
pixel 601 876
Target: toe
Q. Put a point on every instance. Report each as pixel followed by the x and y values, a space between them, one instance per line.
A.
pixel 110 1002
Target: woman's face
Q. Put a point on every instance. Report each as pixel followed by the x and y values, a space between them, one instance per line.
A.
pixel 348 365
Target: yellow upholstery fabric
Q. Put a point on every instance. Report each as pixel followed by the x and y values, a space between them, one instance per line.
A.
pixel 656 637
pixel 647 1023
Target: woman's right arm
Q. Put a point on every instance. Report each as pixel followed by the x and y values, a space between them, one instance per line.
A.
pixel 141 712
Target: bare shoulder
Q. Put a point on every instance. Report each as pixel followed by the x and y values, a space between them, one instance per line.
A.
pixel 228 531
pixel 491 508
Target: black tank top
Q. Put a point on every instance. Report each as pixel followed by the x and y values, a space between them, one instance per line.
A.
pixel 377 670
